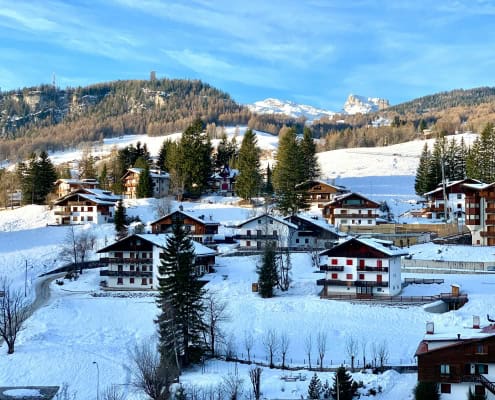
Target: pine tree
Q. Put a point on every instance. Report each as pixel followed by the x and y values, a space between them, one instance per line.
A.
pixel 103 177
pixel 342 382
pixel 87 167
pixel 180 323
pixel 37 177
pixel 287 174
pixel 268 183
pixel 426 391
pixel 119 220
pixel 314 388
pixel 248 182
pixel 223 154
pixel 435 165
pixel 267 272
pixel 310 168
pixel 163 155
pixel 144 188
pixel 421 185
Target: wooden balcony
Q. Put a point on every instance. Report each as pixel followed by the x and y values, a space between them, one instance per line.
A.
pixel 351 215
pixel 332 268
pixel 490 210
pixel 334 282
pixel 256 237
pixel 490 221
pixel 121 260
pixel 488 234
pixel 361 283
pixel 64 213
pixel 132 274
pixel 373 269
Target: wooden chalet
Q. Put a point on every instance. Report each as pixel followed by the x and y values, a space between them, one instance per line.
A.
pixel 480 213
pixel 313 233
pixel 351 209
pixel 65 186
pixel 222 181
pixel 94 206
pixel 133 262
pixel 361 267
pixel 320 192
pixel 455 194
pixel 201 228
pixel 160 182
pixel 459 360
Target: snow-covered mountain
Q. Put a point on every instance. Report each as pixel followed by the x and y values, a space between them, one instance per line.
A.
pixel 362 105
pixel 275 106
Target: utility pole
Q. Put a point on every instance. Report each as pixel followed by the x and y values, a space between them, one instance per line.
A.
pixel 25 279
pixel 97 380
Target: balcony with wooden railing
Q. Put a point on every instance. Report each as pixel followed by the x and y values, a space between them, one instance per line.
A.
pixel 65 212
pixel 369 268
pixel 487 234
pixel 363 283
pixel 127 260
pixel 354 215
pixel 334 282
pixel 132 274
pixel 332 268
pixel 490 221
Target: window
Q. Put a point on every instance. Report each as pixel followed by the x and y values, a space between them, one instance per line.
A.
pixel 306 241
pixel 334 276
pixel 271 221
pixel 131 280
pixel 74 218
pixel 145 268
pixel 348 276
pixel 370 222
pixel 361 277
pixel 144 281
pixel 445 388
pixel 120 268
pixel 90 218
pixel 459 205
pixel 118 254
pixel 459 196
pixel 482 368
pixel 297 240
pixel 131 267
pixel 259 222
pixel 74 209
pixel 90 208
pixel 120 281
pixel 248 243
pixel 344 221
pixel 335 261
pixel 379 263
pixel 444 369
pixel 479 390
pixel 131 255
pixel 480 349
pixel 82 218
pixel 274 233
pixel 348 262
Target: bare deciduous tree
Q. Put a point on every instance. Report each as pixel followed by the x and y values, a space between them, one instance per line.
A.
pixel 314 254
pixel 255 377
pixel 64 393
pixel 215 314
pixel 285 266
pixel 163 206
pixel 382 353
pixel 230 347
pixel 374 353
pixel 308 347
pixel 364 344
pixel 270 341
pixel 151 374
pixel 321 344
pixel 76 247
pixel 232 387
pixel 284 347
pixel 14 311
pixel 248 344
pixel 351 348
pixel 113 393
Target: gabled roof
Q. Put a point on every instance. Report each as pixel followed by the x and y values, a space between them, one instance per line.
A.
pixel 465 182
pixel 318 222
pixel 280 220
pixel 343 189
pixel 160 240
pixel 87 194
pixel 189 215
pixel 383 246
pixel 154 173
pixel 337 199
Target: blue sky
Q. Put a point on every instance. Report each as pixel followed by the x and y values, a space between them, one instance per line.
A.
pixel 313 52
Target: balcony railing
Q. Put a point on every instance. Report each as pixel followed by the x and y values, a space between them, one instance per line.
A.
pixel 62 212
pixel 121 260
pixel 257 237
pixel 132 274
pixel 334 282
pixel 490 209
pixel 353 215
pixel 334 268
pixel 490 221
pixel 487 234
pixel 361 283
pixel 372 269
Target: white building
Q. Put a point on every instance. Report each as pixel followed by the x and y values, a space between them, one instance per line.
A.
pixel 351 209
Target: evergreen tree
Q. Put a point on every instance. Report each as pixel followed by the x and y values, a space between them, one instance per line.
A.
pixel 310 168
pixel 163 155
pixel 87 166
pixel 267 272
pixel 268 184
pixel 103 178
pixel 223 154
pixel 287 174
pixel 120 220
pixel 180 323
pixel 314 388
pixel 47 176
pixel 421 183
pixel 480 162
pixel 37 177
pixel 141 163
pixel 342 382
pixel 144 188
pixel 460 161
pixel 435 165
pixel 248 182
pixel 233 150
pixel 426 391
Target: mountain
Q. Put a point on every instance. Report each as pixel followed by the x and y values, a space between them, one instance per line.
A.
pixel 275 106
pixel 363 105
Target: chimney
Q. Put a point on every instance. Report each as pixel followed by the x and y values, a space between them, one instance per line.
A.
pixel 476 322
pixel 458 336
pixel 430 328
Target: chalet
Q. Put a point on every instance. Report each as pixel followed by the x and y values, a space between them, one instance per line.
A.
pixel 133 262
pixel 480 213
pixel 93 206
pixel 222 182
pixel 455 194
pixel 313 233
pixel 351 209
pixel 202 229
pixel 160 182
pixel 256 232
pixel 320 192
pixel 361 267
pixel 459 360
pixel 65 186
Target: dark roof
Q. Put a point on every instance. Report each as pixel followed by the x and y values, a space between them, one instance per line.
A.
pixel 189 215
pixel 352 194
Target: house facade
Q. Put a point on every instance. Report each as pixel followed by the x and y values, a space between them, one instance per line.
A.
pixel 133 262
pixel 94 206
pixel 320 192
pixel 455 195
pixel 222 181
pixel 202 228
pixel 256 232
pixel 160 182
pixel 351 209
pixel 361 267
pixel 480 213
pixel 313 233
pixel 458 361
pixel 65 186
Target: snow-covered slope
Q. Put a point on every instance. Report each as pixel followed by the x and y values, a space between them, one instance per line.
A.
pixel 362 105
pixel 275 106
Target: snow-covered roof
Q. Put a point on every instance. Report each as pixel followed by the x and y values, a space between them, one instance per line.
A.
pixel 154 173
pixel 324 182
pixel 160 240
pixel 453 183
pixel 278 219
pixel 189 215
pixel 91 197
pixel 384 246
pixel 346 195
pixel 232 173
pixel 320 222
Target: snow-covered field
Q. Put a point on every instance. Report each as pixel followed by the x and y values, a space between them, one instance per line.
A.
pixel 63 339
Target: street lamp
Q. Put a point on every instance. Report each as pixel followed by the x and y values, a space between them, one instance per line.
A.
pixel 97 380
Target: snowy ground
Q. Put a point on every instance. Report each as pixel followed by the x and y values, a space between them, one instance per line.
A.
pixel 75 328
